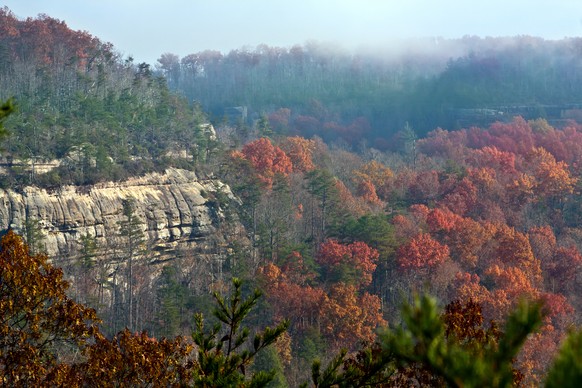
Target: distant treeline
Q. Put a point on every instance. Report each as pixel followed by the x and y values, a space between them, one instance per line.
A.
pixel 430 84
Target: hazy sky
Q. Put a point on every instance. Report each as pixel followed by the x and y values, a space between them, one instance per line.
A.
pixel 145 28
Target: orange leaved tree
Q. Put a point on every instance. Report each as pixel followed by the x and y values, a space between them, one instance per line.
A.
pixel 39 323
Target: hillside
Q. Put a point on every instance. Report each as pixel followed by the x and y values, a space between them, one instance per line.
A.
pixel 347 198
pixel 316 89
pixel 78 101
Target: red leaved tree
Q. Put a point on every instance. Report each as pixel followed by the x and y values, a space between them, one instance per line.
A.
pixel 350 263
pixel 376 179
pixel 267 159
pixel 562 269
pixel 349 319
pixel 37 318
pixel 422 253
pixel 300 152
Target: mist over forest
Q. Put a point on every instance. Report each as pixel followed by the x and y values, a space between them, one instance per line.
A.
pixel 391 216
pixel 371 95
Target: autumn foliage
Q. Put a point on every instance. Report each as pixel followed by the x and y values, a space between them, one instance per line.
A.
pixel 422 252
pixel 344 314
pixel 490 216
pixel 493 221
pixel 357 256
pixel 300 152
pixel 36 39
pixel 36 317
pixel 46 339
pixel 134 359
pixel 42 330
pixel 266 159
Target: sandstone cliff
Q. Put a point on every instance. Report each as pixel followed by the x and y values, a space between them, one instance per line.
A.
pixel 176 209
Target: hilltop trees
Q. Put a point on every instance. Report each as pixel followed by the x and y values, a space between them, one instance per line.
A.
pixel 370 95
pixel 106 118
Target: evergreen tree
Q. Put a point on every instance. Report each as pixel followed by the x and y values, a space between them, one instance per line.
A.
pixel 269 360
pixel 225 353
pixel 321 185
pixel 263 126
pixel 408 139
pixel 131 231
pixel 5 109
pixel 33 235
pixel 84 266
pixel 171 298
pixel 566 371
pixel 451 349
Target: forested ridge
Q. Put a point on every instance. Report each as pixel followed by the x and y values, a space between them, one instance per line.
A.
pixel 339 232
pixel 104 117
pixel 354 95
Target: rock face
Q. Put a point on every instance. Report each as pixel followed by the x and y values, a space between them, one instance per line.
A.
pixel 176 209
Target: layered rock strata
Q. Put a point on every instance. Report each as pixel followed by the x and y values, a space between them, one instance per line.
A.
pixel 176 209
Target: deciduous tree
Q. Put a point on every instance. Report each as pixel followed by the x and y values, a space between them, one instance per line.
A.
pixel 348 318
pixel 267 159
pixel 562 268
pixel 553 179
pixel 134 360
pixel 513 249
pixel 349 263
pixel 378 176
pixel 468 362
pixel 421 253
pixel 300 151
pixel 39 323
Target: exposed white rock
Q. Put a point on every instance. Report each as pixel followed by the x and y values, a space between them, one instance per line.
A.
pixel 175 208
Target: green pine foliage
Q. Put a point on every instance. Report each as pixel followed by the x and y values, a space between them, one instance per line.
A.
pixel 33 235
pixel 5 109
pixel 104 117
pixel 226 351
pixel 445 350
pixel 422 339
pixel 566 372
pixel 171 299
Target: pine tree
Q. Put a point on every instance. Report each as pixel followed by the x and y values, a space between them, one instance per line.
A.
pixel 131 231
pixel 5 109
pixel 225 353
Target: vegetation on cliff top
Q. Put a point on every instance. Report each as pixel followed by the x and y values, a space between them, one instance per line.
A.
pixel 103 117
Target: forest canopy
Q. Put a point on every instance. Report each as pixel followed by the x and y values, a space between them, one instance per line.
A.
pixel 447 83
pixel 102 117
pixel 360 180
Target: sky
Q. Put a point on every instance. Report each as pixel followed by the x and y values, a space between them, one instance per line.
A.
pixel 146 29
